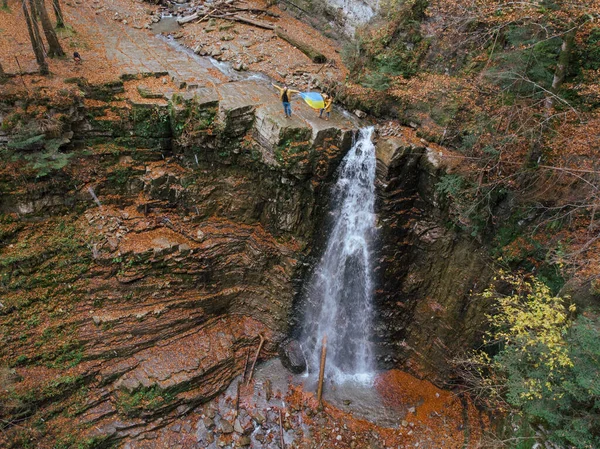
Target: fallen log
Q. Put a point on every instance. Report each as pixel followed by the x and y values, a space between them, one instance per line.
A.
pixel 186 19
pixel 258 11
pixel 256 23
pixel 314 55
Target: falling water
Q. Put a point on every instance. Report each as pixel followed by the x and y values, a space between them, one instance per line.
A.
pixel 94 197
pixel 340 290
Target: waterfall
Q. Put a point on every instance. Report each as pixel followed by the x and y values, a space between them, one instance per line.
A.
pixel 339 292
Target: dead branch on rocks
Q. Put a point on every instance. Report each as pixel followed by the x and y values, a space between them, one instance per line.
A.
pixel 226 9
pixel 260 345
pixel 282 441
pixel 256 23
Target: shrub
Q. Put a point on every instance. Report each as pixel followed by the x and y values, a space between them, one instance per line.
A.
pixel 543 363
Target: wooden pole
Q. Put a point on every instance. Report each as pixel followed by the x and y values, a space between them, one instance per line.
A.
pixel 260 345
pixel 281 430
pixel 322 371
pixel 21 73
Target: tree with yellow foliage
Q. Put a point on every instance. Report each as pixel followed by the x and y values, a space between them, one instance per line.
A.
pixel 542 364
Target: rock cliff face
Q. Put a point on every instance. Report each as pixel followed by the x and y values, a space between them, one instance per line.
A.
pixel 427 270
pixel 346 14
pixel 136 279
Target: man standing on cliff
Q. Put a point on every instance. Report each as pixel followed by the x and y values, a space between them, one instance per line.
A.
pixel 286 95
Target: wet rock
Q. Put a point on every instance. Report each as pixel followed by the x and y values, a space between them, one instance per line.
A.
pixel 360 114
pixel 259 418
pixel 292 356
pixel 225 426
pixel 202 433
pixel 259 436
pixel 237 426
pixel 244 441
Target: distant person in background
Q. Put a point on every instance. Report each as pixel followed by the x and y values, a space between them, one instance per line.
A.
pixel 286 96
pixel 77 58
pixel 327 107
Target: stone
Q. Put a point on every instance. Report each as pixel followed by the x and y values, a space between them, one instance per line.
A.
pixel 225 426
pixel 244 441
pixel 237 426
pixel 210 412
pixel 412 410
pixel 209 423
pixel 201 432
pixel 259 436
pixel 145 92
pixel 292 356
pixel 360 114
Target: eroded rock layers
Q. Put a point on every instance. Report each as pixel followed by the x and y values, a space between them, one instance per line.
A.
pixel 137 278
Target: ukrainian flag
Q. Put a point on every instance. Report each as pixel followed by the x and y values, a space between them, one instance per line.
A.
pixel 313 99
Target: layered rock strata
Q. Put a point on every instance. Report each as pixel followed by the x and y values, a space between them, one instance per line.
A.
pixel 137 278
pixel 428 270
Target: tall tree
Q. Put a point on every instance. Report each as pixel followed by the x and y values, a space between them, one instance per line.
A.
pixel 34 26
pixel 60 20
pixel 53 43
pixel 36 42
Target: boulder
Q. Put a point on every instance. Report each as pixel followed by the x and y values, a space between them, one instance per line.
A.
pixel 292 356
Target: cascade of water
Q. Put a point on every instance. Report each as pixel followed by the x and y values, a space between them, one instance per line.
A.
pixel 94 197
pixel 339 292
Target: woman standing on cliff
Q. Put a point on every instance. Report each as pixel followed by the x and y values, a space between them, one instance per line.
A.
pixel 286 95
pixel 326 107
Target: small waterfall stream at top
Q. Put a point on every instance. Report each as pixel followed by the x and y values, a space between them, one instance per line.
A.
pixel 339 292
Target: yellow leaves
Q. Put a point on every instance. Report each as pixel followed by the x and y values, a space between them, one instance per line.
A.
pixel 572 308
pixel 532 318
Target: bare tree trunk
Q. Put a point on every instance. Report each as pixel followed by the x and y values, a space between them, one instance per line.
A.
pixel 35 27
pixel 1 71
pixel 60 20
pixel 53 43
pixel 35 40
pixel 562 65
pixel 34 12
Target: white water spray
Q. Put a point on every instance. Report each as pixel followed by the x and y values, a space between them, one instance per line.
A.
pixel 94 197
pixel 339 294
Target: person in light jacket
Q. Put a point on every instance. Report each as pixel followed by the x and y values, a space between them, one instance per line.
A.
pixel 286 96
pixel 327 107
